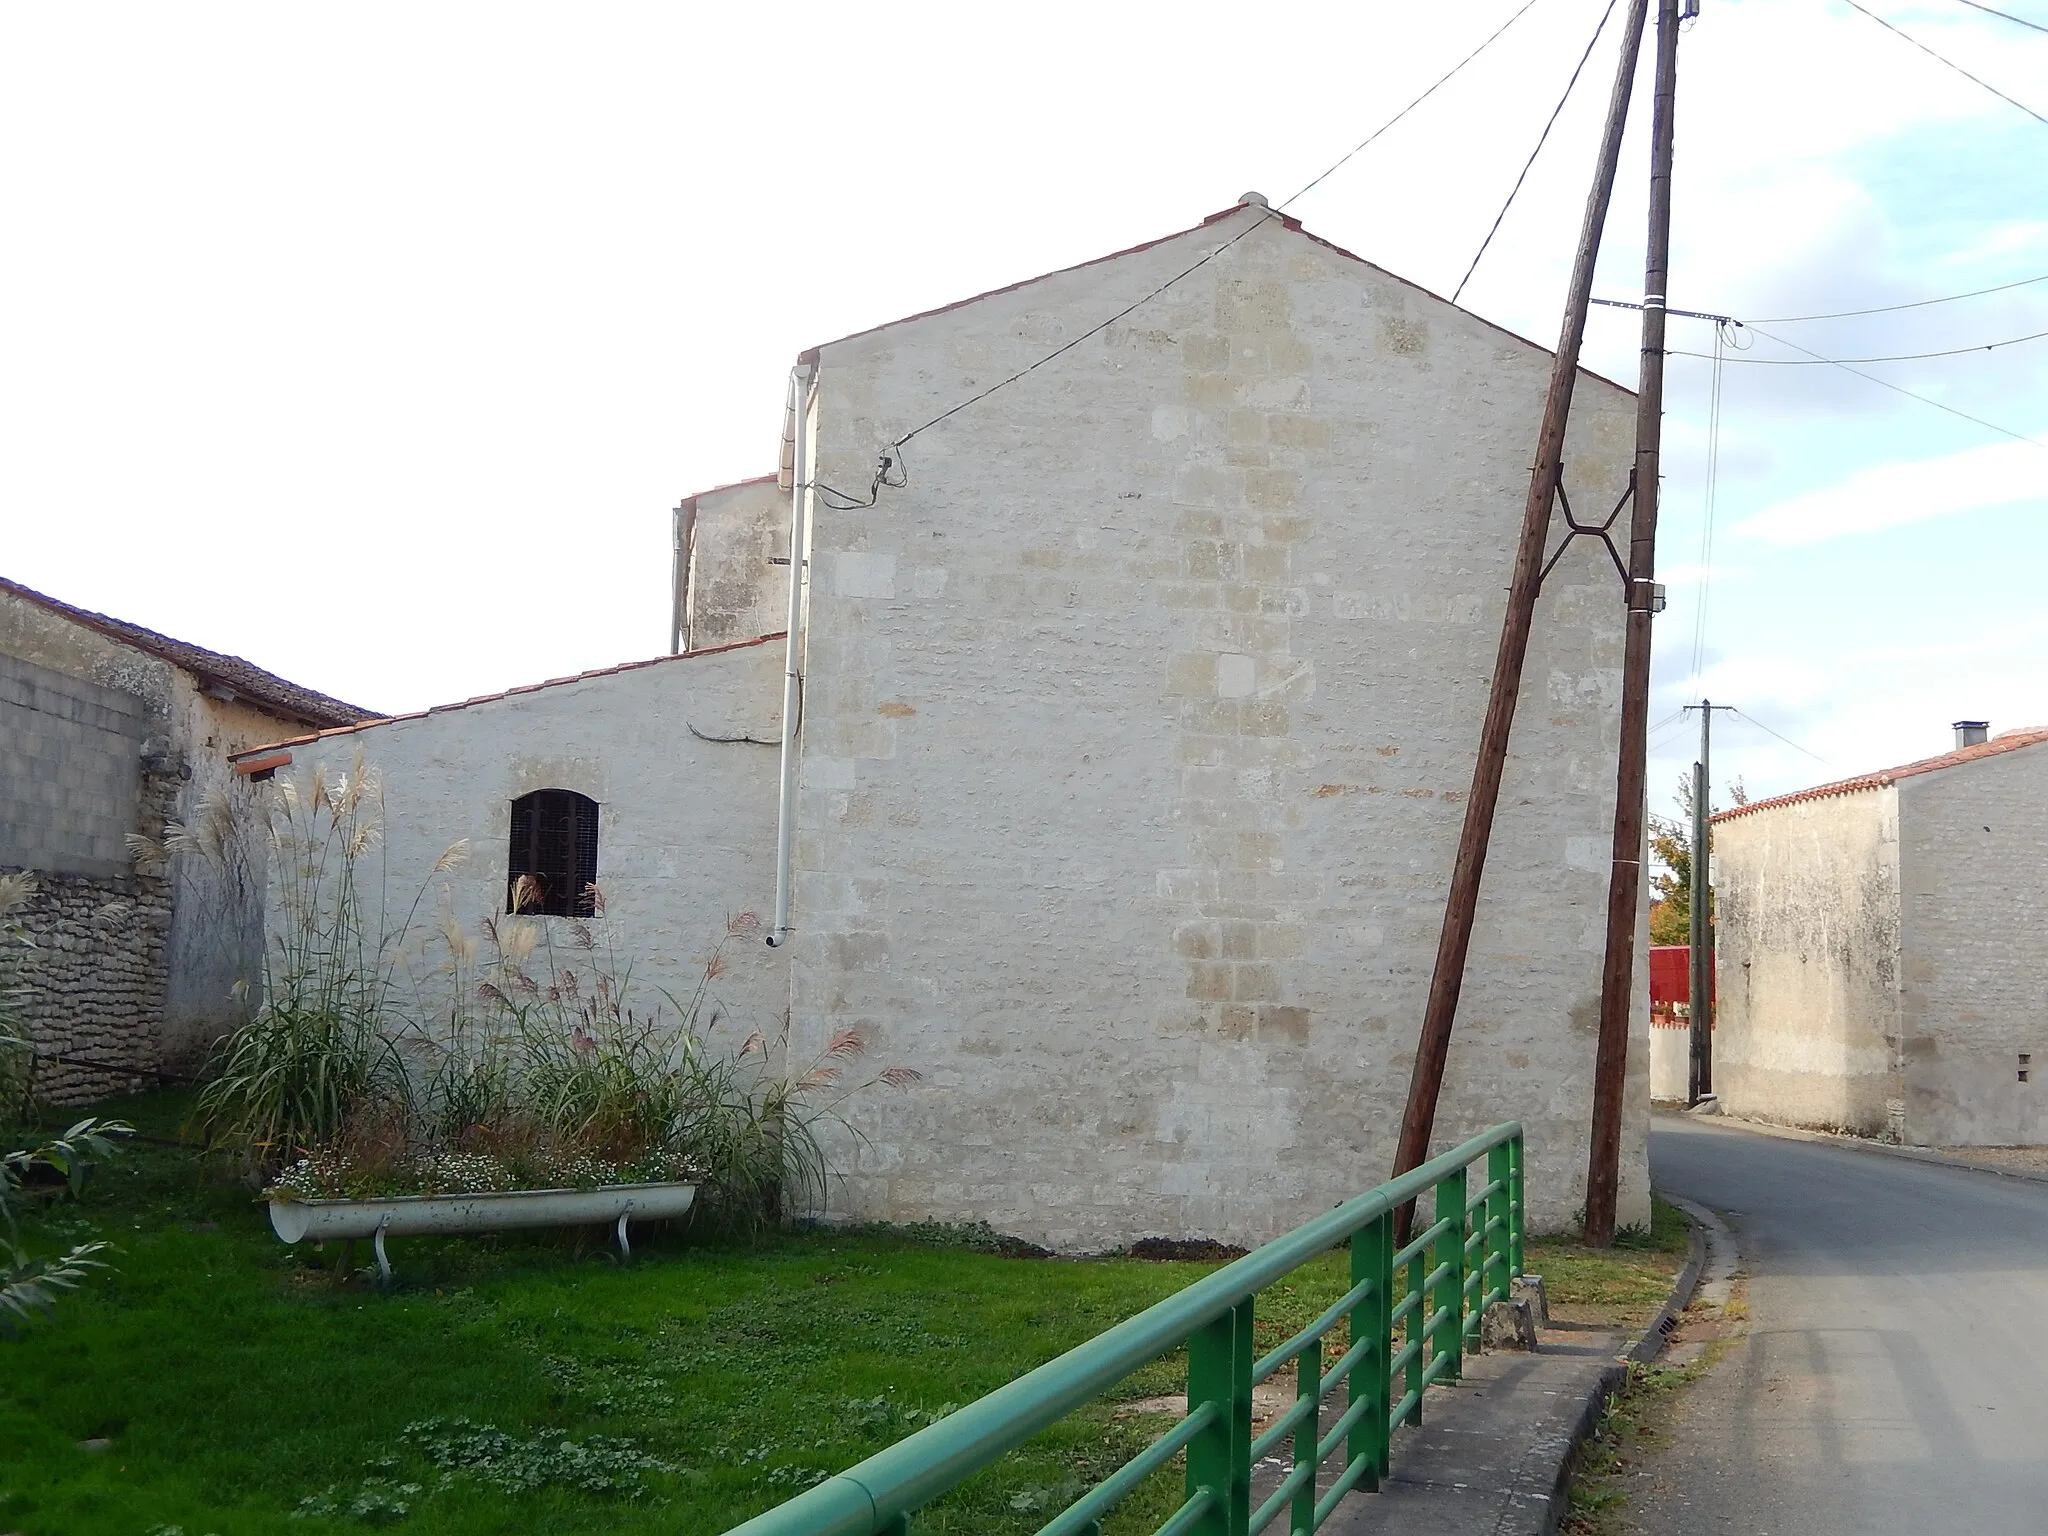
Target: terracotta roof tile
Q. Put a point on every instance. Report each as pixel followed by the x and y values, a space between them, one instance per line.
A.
pixel 266 690
pixel 2004 741
pixel 242 758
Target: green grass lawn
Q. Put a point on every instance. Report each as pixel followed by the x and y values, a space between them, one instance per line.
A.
pixel 1624 1285
pixel 526 1383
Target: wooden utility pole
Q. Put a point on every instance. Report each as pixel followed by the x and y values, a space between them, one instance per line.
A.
pixel 1625 879
pixel 1433 1049
pixel 1700 984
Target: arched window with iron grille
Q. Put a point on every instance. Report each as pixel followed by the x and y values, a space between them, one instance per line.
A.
pixel 553 865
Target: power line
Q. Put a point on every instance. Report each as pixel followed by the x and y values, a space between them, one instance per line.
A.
pixel 1264 215
pixel 1897 389
pixel 1895 357
pixel 1886 309
pixel 1699 622
pixel 1752 719
pixel 1442 80
pixel 1951 63
pixel 1555 113
pixel 1650 737
pixel 2004 15
pixel 892 463
pixel 1671 719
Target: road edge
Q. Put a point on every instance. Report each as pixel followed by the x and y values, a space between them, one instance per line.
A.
pixel 1651 1344
pixel 1866 1144
pixel 1615 1376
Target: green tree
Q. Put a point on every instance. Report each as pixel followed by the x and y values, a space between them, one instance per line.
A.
pixel 1671 849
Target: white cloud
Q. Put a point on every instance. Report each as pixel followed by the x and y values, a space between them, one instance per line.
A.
pixel 1887 495
pixel 1694 574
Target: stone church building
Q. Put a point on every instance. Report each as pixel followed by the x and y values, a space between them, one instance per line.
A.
pixel 1139 695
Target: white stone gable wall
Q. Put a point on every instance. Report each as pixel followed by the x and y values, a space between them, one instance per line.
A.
pixel 1137 729
pixel 1807 958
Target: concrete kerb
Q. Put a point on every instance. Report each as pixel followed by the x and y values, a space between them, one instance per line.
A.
pixel 1642 1352
pixel 1500 1462
pixel 1651 1344
pixel 1882 1148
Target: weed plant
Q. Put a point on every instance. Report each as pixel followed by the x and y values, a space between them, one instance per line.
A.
pixel 31 1285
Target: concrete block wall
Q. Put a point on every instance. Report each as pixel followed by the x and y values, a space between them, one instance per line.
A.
pixel 1973 864
pixel 1138 726
pixel 73 785
pixel 92 700
pixel 70 770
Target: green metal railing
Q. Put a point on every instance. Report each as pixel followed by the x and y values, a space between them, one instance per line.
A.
pixel 1454 1267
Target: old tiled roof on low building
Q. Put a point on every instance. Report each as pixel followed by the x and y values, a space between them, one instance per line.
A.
pixel 2004 741
pixel 227 677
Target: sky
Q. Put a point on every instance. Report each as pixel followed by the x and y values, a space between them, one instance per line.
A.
pixel 375 344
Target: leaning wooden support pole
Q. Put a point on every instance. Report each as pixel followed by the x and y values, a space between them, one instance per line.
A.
pixel 1431 1052
pixel 1625 881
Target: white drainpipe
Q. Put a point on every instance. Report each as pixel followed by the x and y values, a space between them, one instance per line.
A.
pixel 796 452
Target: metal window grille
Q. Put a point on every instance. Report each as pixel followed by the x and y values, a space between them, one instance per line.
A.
pixel 552 867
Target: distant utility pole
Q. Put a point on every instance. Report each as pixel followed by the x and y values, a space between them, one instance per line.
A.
pixel 1433 1049
pixel 1625 877
pixel 1700 982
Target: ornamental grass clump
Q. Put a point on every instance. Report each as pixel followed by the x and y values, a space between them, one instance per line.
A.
pixel 322 1042
pixel 390 1056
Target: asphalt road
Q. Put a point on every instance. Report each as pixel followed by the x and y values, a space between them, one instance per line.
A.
pixel 1894 1375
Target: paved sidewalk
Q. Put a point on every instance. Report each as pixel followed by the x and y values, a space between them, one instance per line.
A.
pixel 1491 1453
pixel 1489 1457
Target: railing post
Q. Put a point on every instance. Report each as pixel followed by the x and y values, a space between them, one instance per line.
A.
pixel 1515 1159
pixel 1220 1457
pixel 1497 1264
pixel 1372 1261
pixel 1450 1252
pixel 1418 1330
pixel 1308 1382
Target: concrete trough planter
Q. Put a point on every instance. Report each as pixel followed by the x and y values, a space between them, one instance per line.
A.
pixel 295 1220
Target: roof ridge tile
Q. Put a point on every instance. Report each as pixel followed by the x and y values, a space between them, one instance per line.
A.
pixel 503 694
pixel 1884 778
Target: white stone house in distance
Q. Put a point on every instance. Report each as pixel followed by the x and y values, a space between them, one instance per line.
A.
pixel 108 729
pixel 1879 958
pixel 1138 702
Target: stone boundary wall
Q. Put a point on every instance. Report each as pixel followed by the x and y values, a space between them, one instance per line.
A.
pixel 73 785
pixel 96 982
